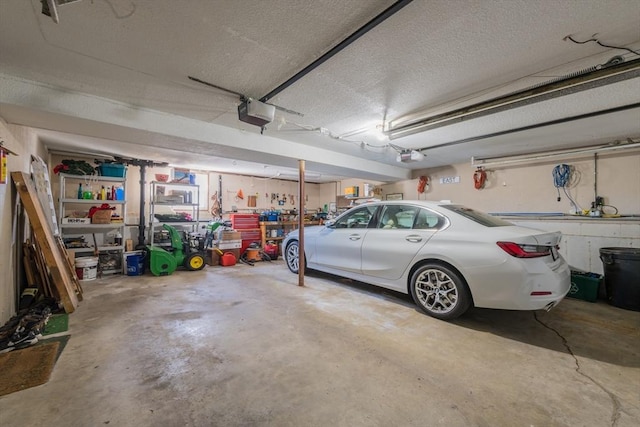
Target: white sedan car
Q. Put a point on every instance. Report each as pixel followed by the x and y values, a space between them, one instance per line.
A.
pixel 448 257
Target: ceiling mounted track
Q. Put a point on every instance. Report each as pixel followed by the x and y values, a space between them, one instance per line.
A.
pixel 594 77
pixel 387 13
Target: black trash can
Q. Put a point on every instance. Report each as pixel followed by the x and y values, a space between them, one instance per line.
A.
pixel 622 276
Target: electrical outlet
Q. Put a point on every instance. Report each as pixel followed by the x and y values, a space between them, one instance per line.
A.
pixel 599 201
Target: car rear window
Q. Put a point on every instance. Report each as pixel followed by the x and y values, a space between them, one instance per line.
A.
pixel 477 216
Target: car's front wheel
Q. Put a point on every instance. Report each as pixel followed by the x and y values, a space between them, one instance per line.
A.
pixel 440 291
pixel 292 256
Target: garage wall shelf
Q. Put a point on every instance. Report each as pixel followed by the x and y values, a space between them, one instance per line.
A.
pixel 345 202
pixel 281 228
pixel 175 204
pixel 106 239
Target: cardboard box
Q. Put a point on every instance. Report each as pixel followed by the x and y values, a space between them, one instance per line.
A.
pixel 76 220
pixel 230 244
pixel 102 216
pixel 231 235
pixel 128 245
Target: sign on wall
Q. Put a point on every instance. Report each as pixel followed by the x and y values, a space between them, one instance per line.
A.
pixel 450 180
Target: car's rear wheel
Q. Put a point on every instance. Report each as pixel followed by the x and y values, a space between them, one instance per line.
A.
pixel 292 256
pixel 440 291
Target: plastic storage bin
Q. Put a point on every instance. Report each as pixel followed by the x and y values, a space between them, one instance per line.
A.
pixel 584 286
pixel 112 169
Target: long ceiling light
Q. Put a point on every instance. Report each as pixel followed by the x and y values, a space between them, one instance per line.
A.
pixel 554 155
pixel 601 75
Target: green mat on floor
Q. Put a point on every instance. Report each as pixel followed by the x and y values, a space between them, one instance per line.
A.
pixel 57 323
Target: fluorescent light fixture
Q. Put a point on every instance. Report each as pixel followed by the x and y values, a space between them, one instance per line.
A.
pixel 554 155
pixel 593 77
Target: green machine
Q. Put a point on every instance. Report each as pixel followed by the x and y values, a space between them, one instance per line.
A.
pixel 163 262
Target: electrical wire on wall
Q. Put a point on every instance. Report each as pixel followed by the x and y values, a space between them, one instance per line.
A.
pixel 562 178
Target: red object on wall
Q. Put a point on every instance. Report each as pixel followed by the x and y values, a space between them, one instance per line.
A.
pixel 479 178
pixel 423 182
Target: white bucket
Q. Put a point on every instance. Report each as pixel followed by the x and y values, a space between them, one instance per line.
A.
pixel 86 268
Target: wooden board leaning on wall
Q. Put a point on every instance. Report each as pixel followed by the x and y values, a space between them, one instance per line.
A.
pixel 54 258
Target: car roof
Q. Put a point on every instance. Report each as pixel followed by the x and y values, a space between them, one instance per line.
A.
pixel 424 203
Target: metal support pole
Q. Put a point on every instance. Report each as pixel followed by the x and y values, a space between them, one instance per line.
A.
pixel 595 177
pixel 301 222
pixel 141 224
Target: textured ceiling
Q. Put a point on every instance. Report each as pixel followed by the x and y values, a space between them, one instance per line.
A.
pixel 111 77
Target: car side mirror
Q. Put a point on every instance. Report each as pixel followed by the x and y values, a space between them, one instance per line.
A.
pixel 330 223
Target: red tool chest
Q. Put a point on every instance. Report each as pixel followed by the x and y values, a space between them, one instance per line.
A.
pixel 249 227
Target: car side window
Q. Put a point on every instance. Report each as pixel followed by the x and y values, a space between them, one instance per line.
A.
pixel 409 217
pixel 429 220
pixel 397 216
pixel 356 218
pixel 387 218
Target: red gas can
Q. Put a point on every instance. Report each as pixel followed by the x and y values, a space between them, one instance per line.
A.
pixel 228 259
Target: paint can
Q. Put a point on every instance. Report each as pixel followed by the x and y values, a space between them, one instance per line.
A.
pixel 86 268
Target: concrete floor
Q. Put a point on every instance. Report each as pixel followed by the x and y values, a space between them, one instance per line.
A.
pixel 244 345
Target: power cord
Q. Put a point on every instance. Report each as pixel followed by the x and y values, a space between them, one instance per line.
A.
pixel 593 39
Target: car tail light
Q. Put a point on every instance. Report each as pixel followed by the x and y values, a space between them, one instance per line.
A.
pixel 524 251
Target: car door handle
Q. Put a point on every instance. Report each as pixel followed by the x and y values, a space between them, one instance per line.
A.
pixel 354 237
pixel 414 238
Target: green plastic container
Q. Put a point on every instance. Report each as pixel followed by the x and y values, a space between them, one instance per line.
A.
pixel 584 286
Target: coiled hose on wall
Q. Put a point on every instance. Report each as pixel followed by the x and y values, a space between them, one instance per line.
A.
pixel 479 178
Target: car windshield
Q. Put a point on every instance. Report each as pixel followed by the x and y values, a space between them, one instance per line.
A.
pixel 477 216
